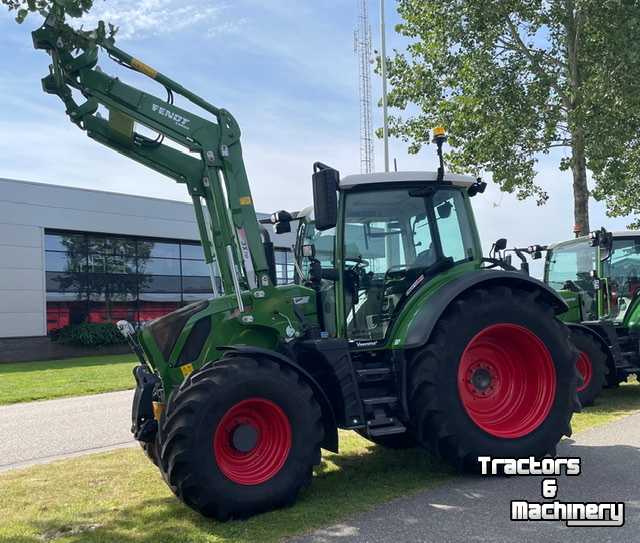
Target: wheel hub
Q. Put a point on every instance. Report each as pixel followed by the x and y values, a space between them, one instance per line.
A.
pixel 481 379
pixel 244 438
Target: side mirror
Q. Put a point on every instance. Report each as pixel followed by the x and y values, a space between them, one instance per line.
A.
pixel 500 244
pixel 325 182
pixel 444 210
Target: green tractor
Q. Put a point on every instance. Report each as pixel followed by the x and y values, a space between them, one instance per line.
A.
pixel 393 330
pixel 599 278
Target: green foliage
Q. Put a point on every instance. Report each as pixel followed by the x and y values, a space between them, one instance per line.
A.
pixel 89 335
pixel 74 8
pixel 513 79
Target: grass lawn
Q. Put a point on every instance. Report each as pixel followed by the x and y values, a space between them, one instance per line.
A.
pixel 28 381
pixel 119 496
pixel 612 404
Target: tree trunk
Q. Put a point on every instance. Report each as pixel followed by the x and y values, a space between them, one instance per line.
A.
pixel 580 189
pixel 578 158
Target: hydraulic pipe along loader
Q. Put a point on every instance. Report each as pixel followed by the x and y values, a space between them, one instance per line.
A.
pixel 394 329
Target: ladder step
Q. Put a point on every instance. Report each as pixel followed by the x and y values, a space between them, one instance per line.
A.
pixel 373 374
pixel 387 430
pixel 374 371
pixel 380 400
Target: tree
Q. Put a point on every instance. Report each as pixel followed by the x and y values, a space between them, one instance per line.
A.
pixel 513 79
pixel 74 8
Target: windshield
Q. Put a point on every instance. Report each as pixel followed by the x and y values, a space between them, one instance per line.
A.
pixel 391 238
pixel 569 267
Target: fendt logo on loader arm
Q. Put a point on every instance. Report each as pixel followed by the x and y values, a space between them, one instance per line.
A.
pixel 181 121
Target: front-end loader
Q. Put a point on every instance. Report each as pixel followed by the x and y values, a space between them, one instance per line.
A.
pixel 395 330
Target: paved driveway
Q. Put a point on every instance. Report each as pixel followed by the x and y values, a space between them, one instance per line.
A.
pixel 37 432
pixel 477 509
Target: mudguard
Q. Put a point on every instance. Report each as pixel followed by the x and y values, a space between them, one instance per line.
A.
pixel 330 441
pixel 425 320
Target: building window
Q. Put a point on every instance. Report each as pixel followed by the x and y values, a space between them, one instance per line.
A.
pixel 106 278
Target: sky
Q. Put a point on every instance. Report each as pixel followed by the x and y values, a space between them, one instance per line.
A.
pixel 284 68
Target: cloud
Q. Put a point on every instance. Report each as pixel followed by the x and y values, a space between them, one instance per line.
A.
pixel 148 18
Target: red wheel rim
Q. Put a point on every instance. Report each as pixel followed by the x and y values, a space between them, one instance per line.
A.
pixel 507 380
pixel 585 369
pixel 263 455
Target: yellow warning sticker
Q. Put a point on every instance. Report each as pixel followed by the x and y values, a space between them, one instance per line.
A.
pixel 245 200
pixel 186 369
pixel 144 68
pixel 158 408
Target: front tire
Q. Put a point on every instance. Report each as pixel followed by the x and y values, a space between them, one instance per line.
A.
pixel 592 366
pixel 240 437
pixel 497 378
pixel 151 450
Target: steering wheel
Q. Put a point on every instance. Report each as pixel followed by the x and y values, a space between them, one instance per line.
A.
pixel 361 262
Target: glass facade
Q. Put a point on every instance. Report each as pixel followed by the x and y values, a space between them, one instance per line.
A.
pixel 105 278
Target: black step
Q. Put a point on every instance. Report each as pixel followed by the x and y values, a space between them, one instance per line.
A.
pixel 373 374
pixel 387 430
pixel 382 400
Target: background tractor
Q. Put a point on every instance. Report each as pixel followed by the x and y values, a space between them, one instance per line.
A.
pixel 599 278
pixel 394 329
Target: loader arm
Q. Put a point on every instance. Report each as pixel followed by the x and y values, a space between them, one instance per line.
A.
pixel 209 160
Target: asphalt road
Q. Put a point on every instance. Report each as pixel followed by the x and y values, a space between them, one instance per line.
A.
pixel 477 509
pixel 38 432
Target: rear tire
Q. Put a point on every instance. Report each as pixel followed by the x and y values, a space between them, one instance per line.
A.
pixel 393 441
pixel 592 366
pixel 497 378
pixel 240 437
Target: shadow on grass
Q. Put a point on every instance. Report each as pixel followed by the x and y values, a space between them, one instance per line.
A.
pixel 343 485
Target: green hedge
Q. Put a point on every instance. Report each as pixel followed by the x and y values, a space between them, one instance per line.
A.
pixel 89 335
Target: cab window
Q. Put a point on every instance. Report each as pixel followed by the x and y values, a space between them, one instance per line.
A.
pixel 391 237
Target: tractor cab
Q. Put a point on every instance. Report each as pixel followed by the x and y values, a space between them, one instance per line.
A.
pixel 603 269
pixel 393 231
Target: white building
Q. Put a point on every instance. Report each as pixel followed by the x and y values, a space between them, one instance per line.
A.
pixel 72 255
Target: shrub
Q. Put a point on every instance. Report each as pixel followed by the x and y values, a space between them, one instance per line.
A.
pixel 89 335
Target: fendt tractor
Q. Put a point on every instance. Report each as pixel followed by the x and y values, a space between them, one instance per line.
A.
pixel 396 331
pixel 599 278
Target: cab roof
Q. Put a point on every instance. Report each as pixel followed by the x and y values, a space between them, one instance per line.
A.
pixel 352 181
pixel 617 234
